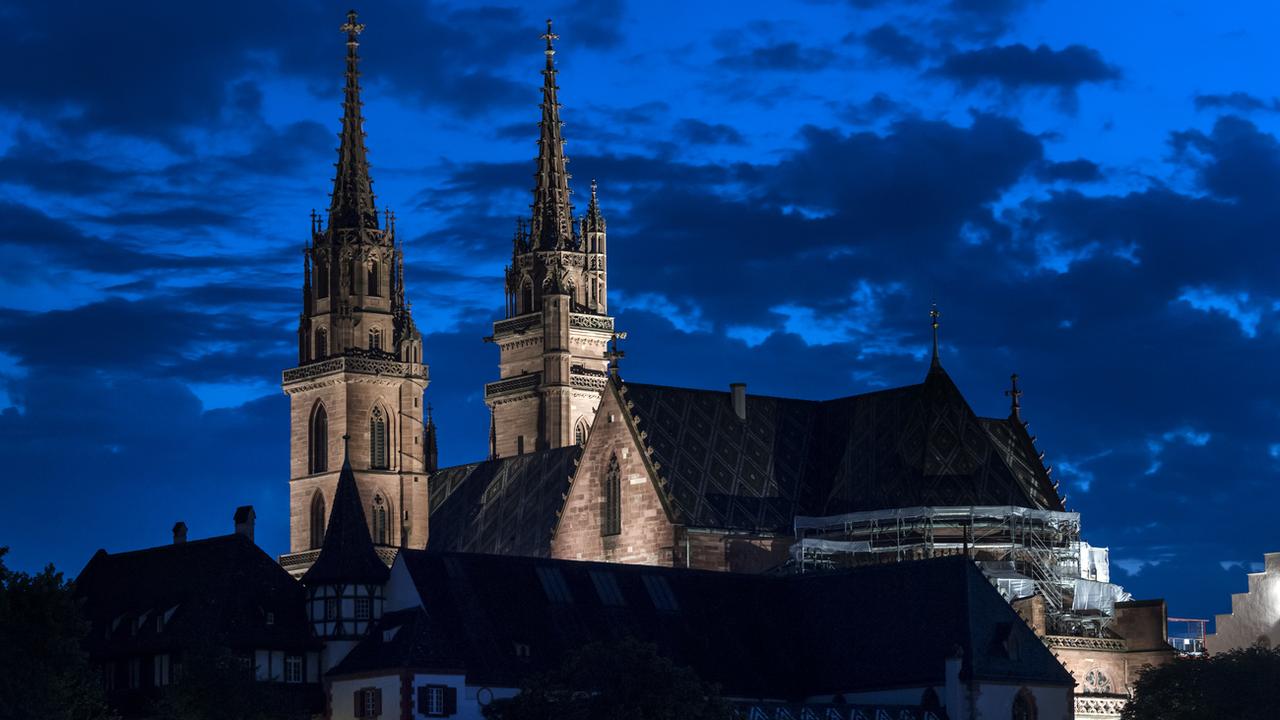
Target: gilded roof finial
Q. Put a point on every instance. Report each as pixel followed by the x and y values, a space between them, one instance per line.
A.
pixel 934 314
pixel 1015 404
pixel 549 36
pixel 352 28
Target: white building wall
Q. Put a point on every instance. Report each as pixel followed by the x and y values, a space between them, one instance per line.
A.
pixel 471 699
pixel 342 694
pixel 1254 614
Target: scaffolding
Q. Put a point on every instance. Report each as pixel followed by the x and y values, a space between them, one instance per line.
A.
pixel 1023 552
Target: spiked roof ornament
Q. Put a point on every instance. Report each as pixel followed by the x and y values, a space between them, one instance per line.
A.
pixel 1015 395
pixel 352 205
pixel 594 221
pixel 551 227
pixel 934 315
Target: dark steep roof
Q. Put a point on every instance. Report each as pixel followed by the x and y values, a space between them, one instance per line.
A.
pixel 347 555
pixel 779 637
pixel 506 506
pixel 218 590
pixel 909 446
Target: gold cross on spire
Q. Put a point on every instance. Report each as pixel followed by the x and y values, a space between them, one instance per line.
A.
pixel 351 27
pixel 549 36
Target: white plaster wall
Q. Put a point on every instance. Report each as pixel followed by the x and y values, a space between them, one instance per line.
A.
pixel 470 705
pixel 1254 614
pixel 343 695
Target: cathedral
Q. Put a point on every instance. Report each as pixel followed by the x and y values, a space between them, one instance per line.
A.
pixel 585 465
pixel 888 554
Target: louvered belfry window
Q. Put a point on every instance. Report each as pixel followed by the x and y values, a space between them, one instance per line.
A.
pixel 378 440
pixel 611 522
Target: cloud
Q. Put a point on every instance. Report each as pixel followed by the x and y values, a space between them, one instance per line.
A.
pixel 889 44
pixel 1017 68
pixel 1236 102
pixel 1079 170
pixel 788 56
pixel 702 133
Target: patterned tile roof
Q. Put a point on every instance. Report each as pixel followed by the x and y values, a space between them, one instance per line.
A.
pixel 908 446
pixel 506 506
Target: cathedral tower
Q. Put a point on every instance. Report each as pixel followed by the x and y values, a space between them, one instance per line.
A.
pixel 553 340
pixel 360 372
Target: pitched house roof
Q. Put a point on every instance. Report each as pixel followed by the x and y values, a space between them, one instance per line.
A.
pixel 506 506
pixel 222 590
pixel 909 446
pixel 347 554
pixel 782 637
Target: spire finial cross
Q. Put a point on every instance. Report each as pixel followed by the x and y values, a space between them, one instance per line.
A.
pixel 549 36
pixel 613 354
pixel 1015 404
pixel 351 27
pixel 934 315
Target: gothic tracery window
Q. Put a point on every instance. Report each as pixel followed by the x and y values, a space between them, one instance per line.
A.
pixel 526 296
pixel 1096 681
pixel 322 279
pixel 317 520
pixel 322 344
pixel 319 440
pixel 611 519
pixel 580 433
pixel 375 339
pixel 378 439
pixel 380 528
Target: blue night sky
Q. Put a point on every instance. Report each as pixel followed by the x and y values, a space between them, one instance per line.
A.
pixel 1087 188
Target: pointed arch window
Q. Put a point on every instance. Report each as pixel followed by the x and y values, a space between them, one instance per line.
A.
pixel 580 433
pixel 317 520
pixel 322 344
pixel 375 339
pixel 380 527
pixel 526 296
pixel 375 279
pixel 319 440
pixel 322 279
pixel 611 518
pixel 378 439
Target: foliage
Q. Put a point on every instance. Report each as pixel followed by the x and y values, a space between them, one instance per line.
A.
pixel 1241 684
pixel 626 680
pixel 215 684
pixel 44 671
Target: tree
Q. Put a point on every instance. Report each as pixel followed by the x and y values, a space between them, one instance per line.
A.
pixel 626 680
pixel 44 670
pixel 1241 684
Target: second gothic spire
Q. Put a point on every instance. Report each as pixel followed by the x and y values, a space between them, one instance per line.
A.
pixel 551 227
pixel 352 204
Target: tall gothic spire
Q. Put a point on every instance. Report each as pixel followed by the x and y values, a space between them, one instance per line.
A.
pixel 352 204
pixel 552 224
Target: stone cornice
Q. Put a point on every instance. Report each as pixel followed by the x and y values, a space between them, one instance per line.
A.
pixel 1084 643
pixel 389 370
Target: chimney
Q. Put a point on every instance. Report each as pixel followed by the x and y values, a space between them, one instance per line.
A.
pixel 739 394
pixel 179 533
pixel 244 521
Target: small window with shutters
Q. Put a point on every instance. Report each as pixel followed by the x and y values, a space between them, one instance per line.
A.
pixel 437 700
pixel 367 702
